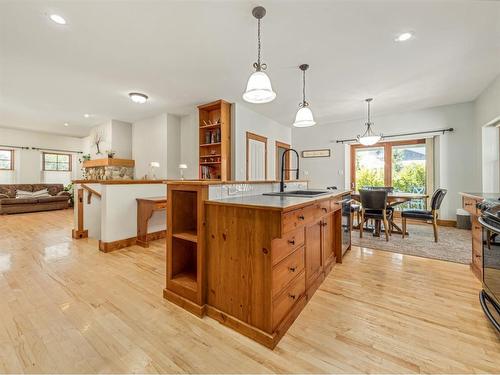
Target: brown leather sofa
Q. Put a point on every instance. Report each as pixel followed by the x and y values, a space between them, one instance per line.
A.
pixel 9 204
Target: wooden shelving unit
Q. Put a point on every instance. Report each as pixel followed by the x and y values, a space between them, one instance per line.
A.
pixel 186 246
pixel 215 141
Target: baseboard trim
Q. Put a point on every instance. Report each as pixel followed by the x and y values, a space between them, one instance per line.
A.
pixel 78 234
pixel 107 247
pixel 447 223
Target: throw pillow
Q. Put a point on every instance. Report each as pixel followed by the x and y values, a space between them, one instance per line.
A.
pixel 23 194
pixel 41 193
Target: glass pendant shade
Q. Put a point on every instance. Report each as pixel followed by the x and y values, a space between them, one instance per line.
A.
pixel 369 138
pixel 259 89
pixel 304 118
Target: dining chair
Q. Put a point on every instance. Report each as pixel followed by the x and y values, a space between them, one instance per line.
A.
pixel 374 206
pixel 425 215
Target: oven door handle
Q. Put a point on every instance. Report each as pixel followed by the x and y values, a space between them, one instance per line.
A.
pixel 488 226
pixel 344 201
pixel 483 297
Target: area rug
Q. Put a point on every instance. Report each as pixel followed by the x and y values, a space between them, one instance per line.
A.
pixel 455 245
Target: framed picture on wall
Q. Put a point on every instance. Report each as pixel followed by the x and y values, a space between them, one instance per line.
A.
pixel 323 153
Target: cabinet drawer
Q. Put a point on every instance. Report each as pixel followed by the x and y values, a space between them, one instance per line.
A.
pixel 285 301
pixel 297 218
pixel 325 207
pixel 282 247
pixel 477 260
pixel 470 205
pixel 286 270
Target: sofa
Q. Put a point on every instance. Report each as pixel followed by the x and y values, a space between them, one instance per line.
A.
pixel 58 199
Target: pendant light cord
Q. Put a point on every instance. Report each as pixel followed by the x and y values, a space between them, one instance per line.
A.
pixel 304 103
pixel 368 112
pixel 258 42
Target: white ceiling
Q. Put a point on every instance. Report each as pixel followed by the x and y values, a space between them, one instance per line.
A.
pixel 183 53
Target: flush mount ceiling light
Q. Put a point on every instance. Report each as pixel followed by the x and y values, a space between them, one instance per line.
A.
pixel 259 89
pixel 368 138
pixel 404 37
pixel 66 124
pixel 137 97
pixel 86 115
pixel 304 116
pixel 57 19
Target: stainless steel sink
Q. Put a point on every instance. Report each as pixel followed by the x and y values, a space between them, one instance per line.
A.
pixel 300 193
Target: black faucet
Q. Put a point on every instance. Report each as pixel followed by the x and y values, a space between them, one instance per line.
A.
pixel 283 169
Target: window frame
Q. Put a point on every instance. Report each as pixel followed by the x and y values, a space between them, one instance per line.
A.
pixel 11 168
pixel 387 158
pixel 56 170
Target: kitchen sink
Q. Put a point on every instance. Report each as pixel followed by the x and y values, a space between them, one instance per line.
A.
pixel 300 193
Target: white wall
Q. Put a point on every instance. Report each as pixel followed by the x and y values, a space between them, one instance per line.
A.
pixel 189 144
pixel 149 137
pixel 486 139
pixel 121 139
pixel 28 163
pixel 454 153
pixel 245 120
pixel 157 139
pixel 173 146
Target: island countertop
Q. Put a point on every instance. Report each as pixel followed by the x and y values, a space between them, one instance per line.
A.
pixel 273 202
pixel 482 196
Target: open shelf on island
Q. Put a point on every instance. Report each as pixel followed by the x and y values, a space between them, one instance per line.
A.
pixel 188 235
pixel 186 280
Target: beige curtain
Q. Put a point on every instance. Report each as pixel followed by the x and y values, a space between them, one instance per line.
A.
pixel 429 167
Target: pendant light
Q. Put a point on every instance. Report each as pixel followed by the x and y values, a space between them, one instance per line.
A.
pixel 304 116
pixel 259 89
pixel 369 138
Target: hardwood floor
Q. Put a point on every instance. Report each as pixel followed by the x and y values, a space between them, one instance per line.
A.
pixel 66 307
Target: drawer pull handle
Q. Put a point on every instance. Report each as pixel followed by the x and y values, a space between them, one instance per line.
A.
pixel 292 296
pixel 292 269
pixel 476 227
pixel 301 217
pixel 468 204
pixel 291 242
pixel 324 209
pixel 478 256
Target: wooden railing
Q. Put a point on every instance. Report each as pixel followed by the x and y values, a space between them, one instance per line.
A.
pixel 80 232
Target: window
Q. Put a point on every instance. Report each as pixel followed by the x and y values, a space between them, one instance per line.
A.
pixel 400 164
pixel 56 162
pixel 6 160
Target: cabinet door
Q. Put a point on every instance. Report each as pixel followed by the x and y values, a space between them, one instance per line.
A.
pixel 328 239
pixel 313 253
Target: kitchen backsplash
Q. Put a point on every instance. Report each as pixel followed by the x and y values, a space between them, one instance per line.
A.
pixel 247 189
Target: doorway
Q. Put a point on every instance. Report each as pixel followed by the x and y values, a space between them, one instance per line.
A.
pixel 281 147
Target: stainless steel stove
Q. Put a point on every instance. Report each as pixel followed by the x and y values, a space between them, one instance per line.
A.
pixel 490 295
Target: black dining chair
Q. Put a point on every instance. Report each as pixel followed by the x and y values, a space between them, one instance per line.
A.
pixel 425 215
pixel 374 206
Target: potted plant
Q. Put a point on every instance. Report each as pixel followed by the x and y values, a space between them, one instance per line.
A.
pixel 69 189
pixel 111 153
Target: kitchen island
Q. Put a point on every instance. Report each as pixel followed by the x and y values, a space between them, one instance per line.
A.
pixel 469 203
pixel 253 261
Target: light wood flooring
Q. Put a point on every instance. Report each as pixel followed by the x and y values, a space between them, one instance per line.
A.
pixel 66 307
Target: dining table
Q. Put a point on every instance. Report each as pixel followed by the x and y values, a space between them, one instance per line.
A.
pixel 393 199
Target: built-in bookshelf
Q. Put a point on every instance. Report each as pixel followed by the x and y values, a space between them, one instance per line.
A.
pixel 215 141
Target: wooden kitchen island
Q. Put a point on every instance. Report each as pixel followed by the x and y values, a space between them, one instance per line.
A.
pixel 250 262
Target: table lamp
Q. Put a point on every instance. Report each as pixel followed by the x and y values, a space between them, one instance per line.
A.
pixel 182 167
pixel 152 166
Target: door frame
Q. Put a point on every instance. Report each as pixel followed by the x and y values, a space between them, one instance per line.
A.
pixel 258 138
pixel 387 158
pixel 277 161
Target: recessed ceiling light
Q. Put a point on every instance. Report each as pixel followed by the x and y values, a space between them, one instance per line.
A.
pixel 58 19
pixel 404 37
pixel 137 97
pixel 86 115
pixel 66 124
